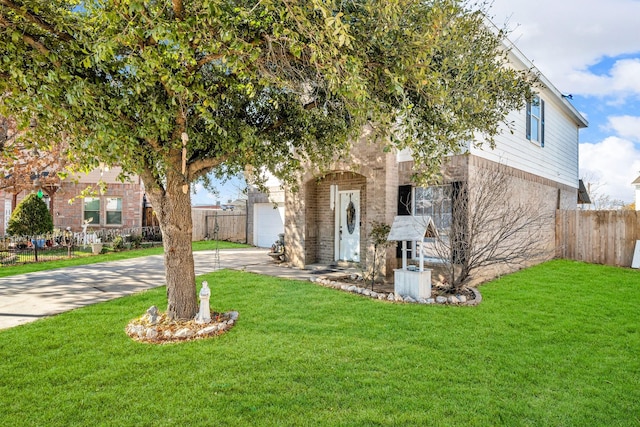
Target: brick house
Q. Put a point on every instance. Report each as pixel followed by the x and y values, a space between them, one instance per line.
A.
pixel 330 218
pixel 123 205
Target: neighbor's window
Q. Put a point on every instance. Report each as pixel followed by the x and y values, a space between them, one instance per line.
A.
pixel 114 211
pixel 92 210
pixel 535 121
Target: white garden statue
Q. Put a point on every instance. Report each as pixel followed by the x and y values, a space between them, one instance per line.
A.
pixel 204 315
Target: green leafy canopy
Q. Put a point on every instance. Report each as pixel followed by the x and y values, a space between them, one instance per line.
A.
pixel 268 83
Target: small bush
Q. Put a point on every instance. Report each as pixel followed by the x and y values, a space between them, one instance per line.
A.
pixel 136 241
pixel 118 243
pixel 30 217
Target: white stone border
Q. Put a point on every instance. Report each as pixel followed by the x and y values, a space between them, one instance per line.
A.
pixel 392 297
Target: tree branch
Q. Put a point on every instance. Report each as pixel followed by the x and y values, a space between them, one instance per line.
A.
pixel 34 18
pixel 201 167
pixel 204 61
pixel 30 40
pixel 178 9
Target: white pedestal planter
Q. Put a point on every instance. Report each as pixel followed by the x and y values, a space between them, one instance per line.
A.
pixel 416 284
pixel 96 248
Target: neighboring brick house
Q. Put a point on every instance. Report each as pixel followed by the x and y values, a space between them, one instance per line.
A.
pixel 330 218
pixel 121 206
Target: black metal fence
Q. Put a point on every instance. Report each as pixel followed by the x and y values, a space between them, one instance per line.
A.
pixel 66 244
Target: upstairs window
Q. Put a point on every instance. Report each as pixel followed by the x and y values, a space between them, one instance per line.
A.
pixel 535 120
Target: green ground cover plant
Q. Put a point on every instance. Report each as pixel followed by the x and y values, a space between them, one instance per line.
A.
pixel 556 344
pixel 84 258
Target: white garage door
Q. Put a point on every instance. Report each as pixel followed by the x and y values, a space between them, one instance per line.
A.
pixel 267 224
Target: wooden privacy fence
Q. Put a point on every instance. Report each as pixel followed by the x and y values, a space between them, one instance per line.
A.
pixel 602 237
pixel 220 225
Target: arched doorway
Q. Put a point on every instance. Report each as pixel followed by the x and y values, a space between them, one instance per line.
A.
pixel 335 211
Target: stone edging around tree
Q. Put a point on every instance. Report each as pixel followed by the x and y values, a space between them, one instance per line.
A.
pixel 160 330
pixel 392 297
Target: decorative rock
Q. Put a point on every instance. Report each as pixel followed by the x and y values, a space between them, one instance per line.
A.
pixel 234 315
pixel 167 334
pixel 313 279
pixel 208 330
pixel 136 330
pixel 184 333
pixel 348 287
pixel 152 333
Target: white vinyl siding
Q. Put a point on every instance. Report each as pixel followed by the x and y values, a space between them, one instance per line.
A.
pixel 557 160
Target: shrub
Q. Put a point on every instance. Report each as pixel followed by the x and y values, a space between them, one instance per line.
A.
pixel 31 217
pixel 136 241
pixel 118 243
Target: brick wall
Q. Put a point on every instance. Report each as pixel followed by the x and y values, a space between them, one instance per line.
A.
pixel 310 223
pixel 67 214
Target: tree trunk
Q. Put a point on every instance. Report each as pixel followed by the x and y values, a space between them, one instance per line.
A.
pixel 173 208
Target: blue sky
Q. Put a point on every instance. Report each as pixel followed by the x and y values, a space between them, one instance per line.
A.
pixel 591 50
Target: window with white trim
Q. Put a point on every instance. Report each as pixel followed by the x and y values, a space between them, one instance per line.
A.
pixel 113 211
pixel 535 120
pixel 92 210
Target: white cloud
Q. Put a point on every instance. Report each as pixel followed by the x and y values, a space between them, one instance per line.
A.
pixel 622 81
pixel 565 38
pixel 613 163
pixel 625 126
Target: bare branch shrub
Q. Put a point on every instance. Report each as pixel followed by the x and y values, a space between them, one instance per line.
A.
pixel 495 220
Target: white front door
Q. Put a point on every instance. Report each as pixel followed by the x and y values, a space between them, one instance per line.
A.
pixel 348 226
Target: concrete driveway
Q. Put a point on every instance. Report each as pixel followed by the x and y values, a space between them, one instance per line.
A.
pixel 31 296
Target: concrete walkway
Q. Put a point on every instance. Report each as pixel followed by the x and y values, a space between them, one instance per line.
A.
pixel 32 296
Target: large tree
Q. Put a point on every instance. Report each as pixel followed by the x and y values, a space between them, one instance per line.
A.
pixel 172 90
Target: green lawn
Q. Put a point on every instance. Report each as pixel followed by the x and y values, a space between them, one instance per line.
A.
pixel 555 345
pixel 85 258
